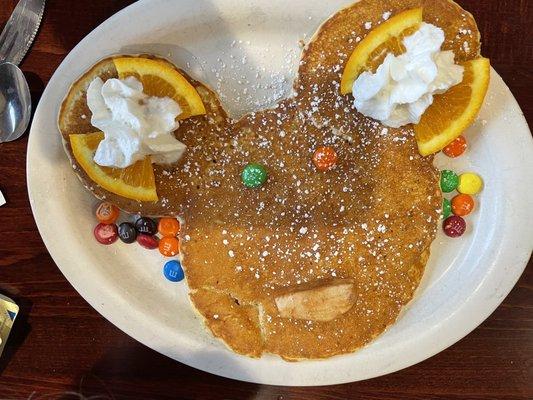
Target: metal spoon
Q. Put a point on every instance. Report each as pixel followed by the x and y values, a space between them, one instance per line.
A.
pixel 15 103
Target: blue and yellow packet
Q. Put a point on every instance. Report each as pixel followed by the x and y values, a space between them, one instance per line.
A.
pixel 8 313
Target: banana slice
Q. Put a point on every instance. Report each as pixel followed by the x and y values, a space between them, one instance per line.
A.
pixel 322 303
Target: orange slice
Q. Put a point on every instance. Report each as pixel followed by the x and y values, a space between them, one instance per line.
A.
pixel 161 79
pixel 451 112
pixel 385 38
pixel 455 110
pixel 135 182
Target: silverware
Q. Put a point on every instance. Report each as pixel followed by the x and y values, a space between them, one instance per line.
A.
pixel 20 30
pixel 15 41
pixel 15 102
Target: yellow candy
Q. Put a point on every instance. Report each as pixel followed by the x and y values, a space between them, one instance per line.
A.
pixel 470 183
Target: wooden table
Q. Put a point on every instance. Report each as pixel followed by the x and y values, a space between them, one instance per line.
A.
pixel 61 344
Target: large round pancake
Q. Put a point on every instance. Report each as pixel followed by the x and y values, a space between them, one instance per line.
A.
pixel 369 222
pixel 174 182
pixel 379 240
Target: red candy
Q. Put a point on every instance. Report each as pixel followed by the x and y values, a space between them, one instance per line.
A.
pixel 147 241
pixel 454 226
pixel 106 233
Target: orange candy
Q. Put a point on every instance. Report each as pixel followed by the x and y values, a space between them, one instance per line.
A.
pixel 107 213
pixel 169 246
pixel 324 158
pixel 456 147
pixel 168 227
pixel 462 204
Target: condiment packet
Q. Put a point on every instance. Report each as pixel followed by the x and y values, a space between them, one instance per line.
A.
pixel 8 313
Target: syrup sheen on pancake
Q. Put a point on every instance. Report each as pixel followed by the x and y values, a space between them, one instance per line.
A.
pixel 362 229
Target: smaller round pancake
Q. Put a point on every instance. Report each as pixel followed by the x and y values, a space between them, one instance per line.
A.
pixel 175 182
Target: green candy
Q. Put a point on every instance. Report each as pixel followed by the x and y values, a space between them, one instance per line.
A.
pixel 446 208
pixel 448 181
pixel 254 175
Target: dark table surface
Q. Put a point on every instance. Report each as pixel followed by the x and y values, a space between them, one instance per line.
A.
pixel 61 345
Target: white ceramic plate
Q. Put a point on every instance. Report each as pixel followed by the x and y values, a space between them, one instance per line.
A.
pixel 257 41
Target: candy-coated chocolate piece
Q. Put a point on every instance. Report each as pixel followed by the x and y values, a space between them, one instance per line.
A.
pixel 147 241
pixel 168 227
pixel 146 225
pixel 107 213
pixel 169 246
pixel 446 208
pixel 254 175
pixel 462 204
pixel 454 226
pixel 127 232
pixel 173 271
pixel 448 181
pixel 456 147
pixel 324 158
pixel 105 233
pixel 470 183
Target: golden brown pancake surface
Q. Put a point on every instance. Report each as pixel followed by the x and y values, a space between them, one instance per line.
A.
pixel 346 247
pixel 370 221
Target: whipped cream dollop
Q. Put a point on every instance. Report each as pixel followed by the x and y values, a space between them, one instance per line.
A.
pixel 402 87
pixel 135 125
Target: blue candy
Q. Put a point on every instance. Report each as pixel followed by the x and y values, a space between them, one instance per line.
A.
pixel 173 271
